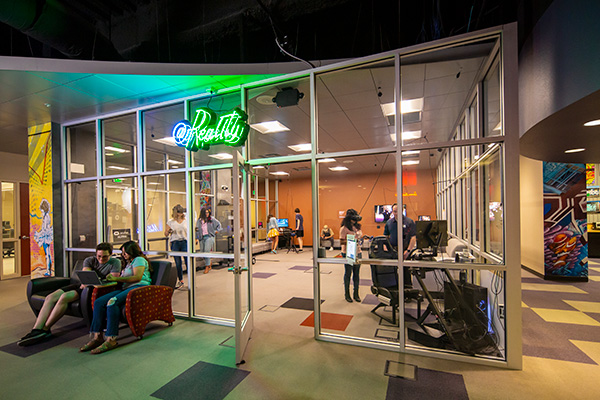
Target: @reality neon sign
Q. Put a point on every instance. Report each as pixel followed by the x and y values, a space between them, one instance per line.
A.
pixel 230 129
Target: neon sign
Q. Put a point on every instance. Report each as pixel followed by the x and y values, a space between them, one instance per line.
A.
pixel 230 129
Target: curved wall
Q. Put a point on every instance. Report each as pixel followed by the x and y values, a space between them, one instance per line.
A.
pixel 560 60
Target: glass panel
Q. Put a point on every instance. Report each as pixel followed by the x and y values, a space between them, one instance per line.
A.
pixel 163 193
pixel 220 104
pixel 460 310
pixel 9 263
pixel 492 112
pixel 368 187
pixel 73 257
pixel 356 107
pixel 435 233
pixel 9 211
pixel 245 276
pixel 83 225
pixel 277 125
pixel 120 145
pixel 82 150
pixel 214 290
pixel 434 90
pixel 161 151
pixel 121 210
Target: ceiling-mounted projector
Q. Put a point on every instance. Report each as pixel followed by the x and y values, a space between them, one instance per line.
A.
pixel 287 97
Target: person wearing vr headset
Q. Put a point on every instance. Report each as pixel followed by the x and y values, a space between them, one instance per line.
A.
pixel 351 226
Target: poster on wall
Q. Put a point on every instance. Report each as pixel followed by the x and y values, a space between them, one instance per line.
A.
pixel 40 201
pixel 565 221
pixel 590 175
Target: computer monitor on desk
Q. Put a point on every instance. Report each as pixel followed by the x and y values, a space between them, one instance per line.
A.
pixel 431 235
pixel 283 222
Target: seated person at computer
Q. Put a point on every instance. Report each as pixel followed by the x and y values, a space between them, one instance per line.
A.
pixel 107 308
pixel 327 237
pixel 57 302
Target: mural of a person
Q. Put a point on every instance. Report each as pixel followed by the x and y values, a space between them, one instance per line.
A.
pixel 43 237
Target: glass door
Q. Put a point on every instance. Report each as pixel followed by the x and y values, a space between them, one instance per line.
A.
pixel 242 269
pixel 10 266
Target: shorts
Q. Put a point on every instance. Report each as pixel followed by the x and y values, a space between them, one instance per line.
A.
pixel 300 233
pixel 75 287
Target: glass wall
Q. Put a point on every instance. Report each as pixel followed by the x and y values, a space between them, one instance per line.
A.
pixel 445 174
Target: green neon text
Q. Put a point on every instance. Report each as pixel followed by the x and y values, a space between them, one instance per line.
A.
pixel 230 129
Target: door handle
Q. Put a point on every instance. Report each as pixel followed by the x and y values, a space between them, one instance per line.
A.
pixel 23 237
pixel 237 270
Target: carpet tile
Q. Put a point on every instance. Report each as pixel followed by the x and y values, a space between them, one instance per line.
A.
pixel 565 317
pixel 300 303
pixel 584 306
pixel 428 385
pixel 262 275
pixel 565 288
pixel 206 381
pixel 336 322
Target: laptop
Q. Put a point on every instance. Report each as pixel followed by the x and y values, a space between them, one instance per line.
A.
pixel 90 278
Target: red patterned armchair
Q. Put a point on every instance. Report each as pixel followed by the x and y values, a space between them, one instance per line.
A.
pixel 148 303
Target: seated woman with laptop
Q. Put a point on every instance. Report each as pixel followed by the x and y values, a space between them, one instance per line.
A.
pixel 57 302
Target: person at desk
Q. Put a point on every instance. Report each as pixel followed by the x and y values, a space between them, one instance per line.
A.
pixel 327 237
pixel 273 232
pixel 206 229
pixel 108 307
pixel 177 232
pixel 351 226
pixel 56 303
pixel 299 228
pixel 409 236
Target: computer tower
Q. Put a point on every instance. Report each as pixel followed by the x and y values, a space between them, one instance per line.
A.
pixel 470 305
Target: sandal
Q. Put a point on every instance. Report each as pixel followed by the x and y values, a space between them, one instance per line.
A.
pixel 207 269
pixel 92 344
pixel 106 346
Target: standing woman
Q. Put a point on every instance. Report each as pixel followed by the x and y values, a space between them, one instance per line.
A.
pixel 351 226
pixel 177 232
pixel 206 229
pixel 108 307
pixel 273 232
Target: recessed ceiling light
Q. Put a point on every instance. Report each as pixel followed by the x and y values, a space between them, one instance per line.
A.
pixel 410 162
pixel 348 161
pixel 221 156
pixel 326 160
pixel 411 152
pixel 269 127
pixel 109 154
pixel 279 173
pixel 118 168
pixel 152 183
pixel 338 168
pixel 116 149
pixel 498 127
pixel 406 106
pixel 258 167
pixel 592 123
pixel 406 135
pixel 174 162
pixel 574 150
pixel 169 141
pixel 301 147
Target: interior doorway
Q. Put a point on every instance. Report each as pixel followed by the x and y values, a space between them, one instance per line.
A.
pixel 13 224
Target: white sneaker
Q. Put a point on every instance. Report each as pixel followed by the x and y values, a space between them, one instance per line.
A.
pixel 331 248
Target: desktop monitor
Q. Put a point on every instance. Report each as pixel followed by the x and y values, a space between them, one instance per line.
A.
pixel 432 234
pixel 283 222
pixel 383 213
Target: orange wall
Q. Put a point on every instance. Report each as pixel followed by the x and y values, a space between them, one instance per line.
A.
pixel 343 192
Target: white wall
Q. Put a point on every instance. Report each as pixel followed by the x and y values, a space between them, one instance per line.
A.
pixel 14 167
pixel 532 214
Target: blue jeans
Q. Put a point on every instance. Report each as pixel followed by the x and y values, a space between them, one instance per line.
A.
pixel 207 243
pixel 179 245
pixel 110 314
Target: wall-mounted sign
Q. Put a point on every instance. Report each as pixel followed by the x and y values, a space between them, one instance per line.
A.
pixel 230 129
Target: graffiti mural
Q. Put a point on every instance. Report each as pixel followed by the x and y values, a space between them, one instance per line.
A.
pixel 565 222
pixel 40 201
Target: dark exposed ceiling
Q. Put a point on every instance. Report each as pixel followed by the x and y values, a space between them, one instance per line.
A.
pixel 181 31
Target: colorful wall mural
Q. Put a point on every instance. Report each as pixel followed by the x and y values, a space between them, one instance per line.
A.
pixel 40 201
pixel 565 222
